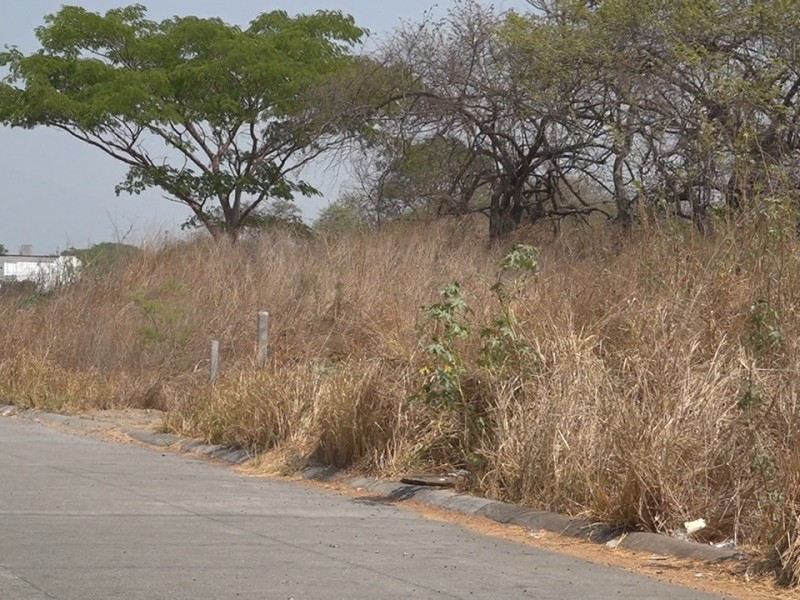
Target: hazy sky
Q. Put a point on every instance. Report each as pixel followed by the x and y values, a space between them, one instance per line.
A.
pixel 58 193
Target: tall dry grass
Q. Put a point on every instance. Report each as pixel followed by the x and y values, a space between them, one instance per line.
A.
pixel 645 383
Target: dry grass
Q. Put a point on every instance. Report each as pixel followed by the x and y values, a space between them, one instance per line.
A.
pixel 644 383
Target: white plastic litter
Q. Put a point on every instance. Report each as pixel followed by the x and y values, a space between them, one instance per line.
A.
pixel 695 526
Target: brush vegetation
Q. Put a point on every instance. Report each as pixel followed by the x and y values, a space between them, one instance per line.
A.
pixel 644 383
pixel 643 373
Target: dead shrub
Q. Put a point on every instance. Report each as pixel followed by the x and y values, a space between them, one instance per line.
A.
pixel 645 383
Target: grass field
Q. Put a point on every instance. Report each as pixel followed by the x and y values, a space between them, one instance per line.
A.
pixel 644 382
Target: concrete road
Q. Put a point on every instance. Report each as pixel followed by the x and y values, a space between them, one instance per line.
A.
pixel 82 519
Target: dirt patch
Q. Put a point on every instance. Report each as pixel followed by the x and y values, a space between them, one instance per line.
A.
pixel 109 425
pixel 147 419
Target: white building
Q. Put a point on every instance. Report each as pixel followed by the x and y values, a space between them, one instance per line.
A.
pixel 48 272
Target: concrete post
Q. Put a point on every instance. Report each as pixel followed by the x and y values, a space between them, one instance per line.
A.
pixel 214 368
pixel 262 351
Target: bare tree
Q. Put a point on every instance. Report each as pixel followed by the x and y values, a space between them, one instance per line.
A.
pixel 465 94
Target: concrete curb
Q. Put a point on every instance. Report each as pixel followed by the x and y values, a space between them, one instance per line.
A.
pixel 500 512
pixel 234 456
pixel 583 529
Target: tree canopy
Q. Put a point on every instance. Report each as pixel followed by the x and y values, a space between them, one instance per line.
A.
pixel 694 101
pixel 685 107
pixel 467 130
pixel 221 118
pixel 576 107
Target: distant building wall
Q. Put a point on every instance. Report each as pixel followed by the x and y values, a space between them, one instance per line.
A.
pixel 47 272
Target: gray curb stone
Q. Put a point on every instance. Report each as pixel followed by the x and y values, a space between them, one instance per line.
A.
pixel 442 498
pixel 547 521
pixel 661 544
pixel 153 438
pixel 234 456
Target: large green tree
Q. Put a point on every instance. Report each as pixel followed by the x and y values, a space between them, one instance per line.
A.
pixel 221 118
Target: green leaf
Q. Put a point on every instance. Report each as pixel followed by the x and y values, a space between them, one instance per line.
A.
pixel 236 107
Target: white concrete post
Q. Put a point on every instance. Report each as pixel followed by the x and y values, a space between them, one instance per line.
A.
pixel 214 368
pixel 262 349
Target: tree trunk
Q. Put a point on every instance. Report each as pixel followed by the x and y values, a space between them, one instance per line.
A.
pixel 699 207
pixel 505 214
pixel 624 217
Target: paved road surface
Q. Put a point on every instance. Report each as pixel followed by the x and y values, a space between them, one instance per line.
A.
pixel 82 519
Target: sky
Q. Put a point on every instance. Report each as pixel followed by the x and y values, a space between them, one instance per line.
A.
pixel 58 193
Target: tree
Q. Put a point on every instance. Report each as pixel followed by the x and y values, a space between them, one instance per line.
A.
pixel 466 88
pixel 421 177
pixel 279 213
pixel 695 100
pixel 3 250
pixel 105 252
pixel 102 258
pixel 584 70
pixel 345 215
pixel 220 118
